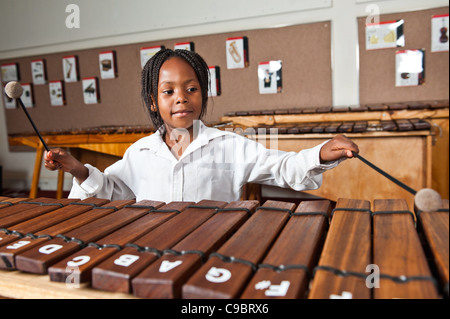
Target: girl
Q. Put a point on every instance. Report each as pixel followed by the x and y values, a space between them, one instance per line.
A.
pixel 184 160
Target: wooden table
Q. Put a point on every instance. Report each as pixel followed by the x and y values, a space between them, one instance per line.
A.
pixel 113 145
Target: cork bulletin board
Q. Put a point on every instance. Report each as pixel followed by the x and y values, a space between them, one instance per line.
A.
pixel 305 52
pixel 377 67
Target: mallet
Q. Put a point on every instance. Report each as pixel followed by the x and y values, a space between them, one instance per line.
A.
pixel 14 90
pixel 426 199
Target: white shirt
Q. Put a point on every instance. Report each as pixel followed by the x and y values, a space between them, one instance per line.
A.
pixel 215 166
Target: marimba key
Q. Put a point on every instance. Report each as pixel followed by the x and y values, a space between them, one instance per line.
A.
pixel 389 125
pixel 220 278
pixel 418 105
pixel 347 249
pixel 332 127
pixel 40 208
pixel 398 106
pixel 360 126
pixel 397 251
pixel 83 214
pixel 346 127
pixel 54 215
pixel 22 206
pixel 377 107
pixel 164 278
pixel 7 202
pixel 116 272
pixel 420 124
pixel 406 262
pixel 293 255
pixel 435 228
pixel 38 259
pixel 81 263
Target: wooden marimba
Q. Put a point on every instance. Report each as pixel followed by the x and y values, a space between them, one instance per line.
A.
pixel 212 249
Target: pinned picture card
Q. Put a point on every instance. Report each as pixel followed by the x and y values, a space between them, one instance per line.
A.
pixel 410 67
pixel 388 34
pixel 27 95
pixel 70 68
pixel 8 102
pixel 439 33
pixel 10 72
pixel 90 91
pixel 237 52
pixel 56 91
pixel 148 52
pixel 214 89
pixel 108 69
pixel 184 46
pixel 269 77
pixel 38 73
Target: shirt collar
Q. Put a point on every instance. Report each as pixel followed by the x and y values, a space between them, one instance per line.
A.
pixel 202 133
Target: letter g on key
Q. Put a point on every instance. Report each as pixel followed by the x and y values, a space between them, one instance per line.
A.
pixel 218 275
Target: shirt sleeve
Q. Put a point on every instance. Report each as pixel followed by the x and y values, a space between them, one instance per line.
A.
pixel 299 171
pixel 106 185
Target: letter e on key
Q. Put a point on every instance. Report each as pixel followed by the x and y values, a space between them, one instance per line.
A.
pixel 19 244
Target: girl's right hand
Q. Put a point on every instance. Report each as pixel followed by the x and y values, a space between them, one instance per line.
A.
pixel 58 158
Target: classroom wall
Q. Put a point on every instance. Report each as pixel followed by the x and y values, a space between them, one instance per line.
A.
pixel 30 27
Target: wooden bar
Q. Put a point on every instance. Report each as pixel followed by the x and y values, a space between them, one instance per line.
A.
pixel 221 278
pixel 38 259
pixel 347 250
pixel 55 215
pixel 435 227
pixel 39 209
pixel 8 252
pixel 81 263
pixel 293 256
pixel 165 277
pixel 398 254
pixel 116 273
pixel 22 206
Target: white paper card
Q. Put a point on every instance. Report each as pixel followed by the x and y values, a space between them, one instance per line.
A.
pixel 70 69
pixel 38 72
pixel 147 53
pixel 183 46
pixel 214 80
pixel 409 67
pixel 107 65
pixel 269 77
pixel 235 53
pixel 8 102
pixel 56 93
pixel 383 35
pixel 27 95
pixel 90 93
pixel 9 72
pixel 439 33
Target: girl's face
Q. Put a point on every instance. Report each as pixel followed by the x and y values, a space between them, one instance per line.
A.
pixel 179 94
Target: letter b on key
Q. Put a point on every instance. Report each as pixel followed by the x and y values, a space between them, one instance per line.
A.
pixel 126 260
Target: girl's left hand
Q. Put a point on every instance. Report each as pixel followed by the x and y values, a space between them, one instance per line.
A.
pixel 336 148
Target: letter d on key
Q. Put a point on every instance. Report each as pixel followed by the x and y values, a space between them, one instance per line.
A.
pixel 49 249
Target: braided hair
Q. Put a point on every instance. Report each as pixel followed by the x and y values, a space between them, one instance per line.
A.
pixel 150 79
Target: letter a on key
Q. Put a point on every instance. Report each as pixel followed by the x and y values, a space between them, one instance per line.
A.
pixel 168 265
